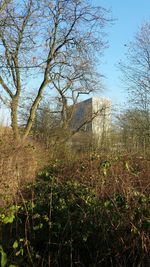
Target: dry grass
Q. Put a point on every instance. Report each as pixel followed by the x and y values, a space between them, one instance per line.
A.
pixel 87 193
pixel 20 162
pixel 110 176
pixel 17 165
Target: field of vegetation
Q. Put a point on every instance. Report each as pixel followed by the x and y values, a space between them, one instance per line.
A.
pixel 77 209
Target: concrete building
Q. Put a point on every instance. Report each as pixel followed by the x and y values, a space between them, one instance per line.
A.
pixel 92 116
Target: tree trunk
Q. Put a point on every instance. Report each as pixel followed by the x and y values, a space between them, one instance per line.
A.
pixel 14 118
pixel 33 109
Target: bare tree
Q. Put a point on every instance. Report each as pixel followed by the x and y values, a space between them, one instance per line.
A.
pixel 36 38
pixel 134 129
pixel 74 78
pixel 136 70
pixel 136 76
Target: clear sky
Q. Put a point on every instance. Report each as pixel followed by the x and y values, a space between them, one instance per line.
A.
pixel 129 15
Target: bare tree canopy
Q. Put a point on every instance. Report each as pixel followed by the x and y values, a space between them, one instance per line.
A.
pixel 136 77
pixel 136 71
pixel 72 79
pixel 37 38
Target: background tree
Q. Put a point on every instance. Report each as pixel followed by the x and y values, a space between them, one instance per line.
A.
pixel 134 130
pixel 71 80
pixel 36 39
pixel 136 76
pixel 46 126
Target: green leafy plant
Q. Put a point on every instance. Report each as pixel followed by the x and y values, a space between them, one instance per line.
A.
pixel 68 221
pixel 3 257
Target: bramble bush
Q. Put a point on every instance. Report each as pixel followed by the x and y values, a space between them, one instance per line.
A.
pixel 67 223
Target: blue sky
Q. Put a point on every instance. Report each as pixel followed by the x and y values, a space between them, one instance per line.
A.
pixel 129 15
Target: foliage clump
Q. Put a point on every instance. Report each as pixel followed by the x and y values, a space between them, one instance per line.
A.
pixel 68 223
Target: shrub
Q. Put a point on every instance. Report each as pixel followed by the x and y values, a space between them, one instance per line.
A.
pixel 17 165
pixel 66 223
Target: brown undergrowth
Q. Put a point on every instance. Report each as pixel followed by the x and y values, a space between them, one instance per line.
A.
pixel 19 164
pixel 88 209
pixel 109 175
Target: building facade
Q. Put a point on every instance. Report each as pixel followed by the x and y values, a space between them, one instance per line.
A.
pixel 92 116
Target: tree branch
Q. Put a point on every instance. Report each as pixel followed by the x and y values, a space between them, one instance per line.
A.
pixel 6 88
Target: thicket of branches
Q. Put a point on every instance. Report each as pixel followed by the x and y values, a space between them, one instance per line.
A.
pixel 135 122
pixel 47 45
